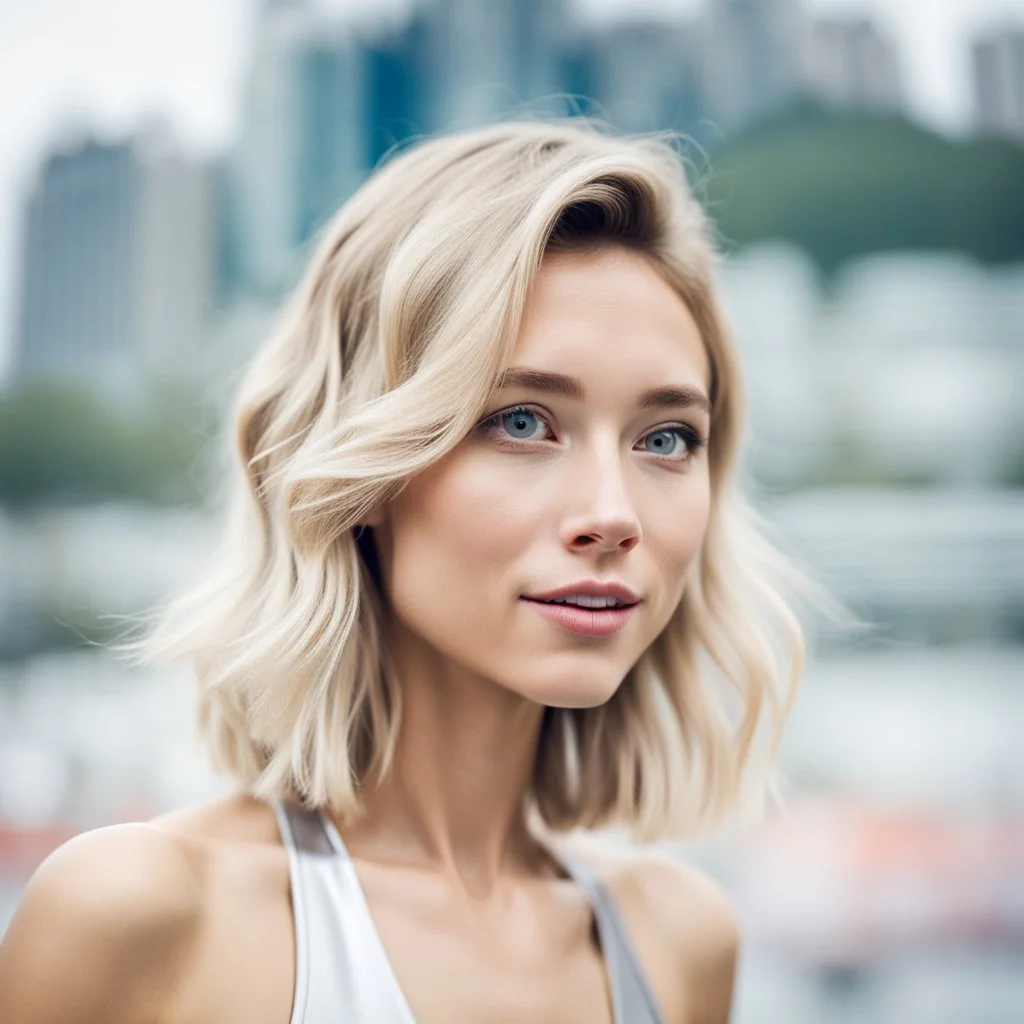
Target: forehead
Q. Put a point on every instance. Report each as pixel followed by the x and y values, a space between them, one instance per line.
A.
pixel 610 313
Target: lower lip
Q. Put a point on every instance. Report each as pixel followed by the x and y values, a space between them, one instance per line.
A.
pixel 584 621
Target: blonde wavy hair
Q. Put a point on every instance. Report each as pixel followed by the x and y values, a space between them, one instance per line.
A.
pixel 384 361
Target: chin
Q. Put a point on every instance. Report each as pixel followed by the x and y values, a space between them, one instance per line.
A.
pixel 575 692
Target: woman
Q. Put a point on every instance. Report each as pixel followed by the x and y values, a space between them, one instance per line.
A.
pixel 487 583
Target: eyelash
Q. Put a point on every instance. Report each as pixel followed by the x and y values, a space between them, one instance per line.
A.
pixel 693 441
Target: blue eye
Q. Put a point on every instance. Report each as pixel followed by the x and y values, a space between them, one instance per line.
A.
pixel 677 443
pixel 665 442
pixel 517 424
pixel 520 423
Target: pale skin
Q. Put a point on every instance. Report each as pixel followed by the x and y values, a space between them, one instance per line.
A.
pixel 187 919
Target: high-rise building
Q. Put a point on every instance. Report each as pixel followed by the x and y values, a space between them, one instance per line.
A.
pixel 261 218
pixel 324 101
pixel 118 251
pixel 330 155
pixel 175 246
pixel 487 59
pixel 849 63
pixel 399 92
pixel 751 58
pixel 998 79
pixel 76 306
pixel 646 75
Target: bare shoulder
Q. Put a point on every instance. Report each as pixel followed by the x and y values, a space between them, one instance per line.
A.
pixel 103 928
pixel 679 900
pixel 684 926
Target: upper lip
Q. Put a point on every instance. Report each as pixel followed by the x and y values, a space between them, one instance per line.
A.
pixel 588 588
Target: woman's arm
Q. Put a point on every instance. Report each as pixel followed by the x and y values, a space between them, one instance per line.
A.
pixel 103 931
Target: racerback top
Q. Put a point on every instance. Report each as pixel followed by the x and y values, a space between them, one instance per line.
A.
pixel 342 973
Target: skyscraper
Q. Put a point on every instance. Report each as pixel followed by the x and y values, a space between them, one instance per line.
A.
pixel 324 100
pixel 175 253
pixel 260 175
pixel 998 79
pixel 646 75
pixel 849 63
pixel 118 252
pixel 331 157
pixel 76 309
pixel 399 92
pixel 489 59
pixel 752 58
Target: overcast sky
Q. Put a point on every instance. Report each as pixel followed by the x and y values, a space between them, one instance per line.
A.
pixel 106 64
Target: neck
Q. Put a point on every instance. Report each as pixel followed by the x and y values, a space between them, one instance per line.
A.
pixel 453 799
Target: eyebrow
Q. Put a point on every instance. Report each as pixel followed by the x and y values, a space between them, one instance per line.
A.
pixel 572 387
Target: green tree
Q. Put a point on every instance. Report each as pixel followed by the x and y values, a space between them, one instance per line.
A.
pixel 844 185
pixel 59 443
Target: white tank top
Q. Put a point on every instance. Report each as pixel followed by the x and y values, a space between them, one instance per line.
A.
pixel 342 973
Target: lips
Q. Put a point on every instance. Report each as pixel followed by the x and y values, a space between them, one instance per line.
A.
pixel 589 622
pixel 618 600
pixel 618 592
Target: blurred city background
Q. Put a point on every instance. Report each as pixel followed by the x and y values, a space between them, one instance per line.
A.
pixel 163 169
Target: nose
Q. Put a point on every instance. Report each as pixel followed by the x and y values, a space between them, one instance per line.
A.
pixel 603 517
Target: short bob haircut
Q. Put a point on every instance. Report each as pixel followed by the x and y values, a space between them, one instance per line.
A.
pixel 383 362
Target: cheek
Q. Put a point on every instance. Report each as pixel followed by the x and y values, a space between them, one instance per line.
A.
pixel 457 533
pixel 676 532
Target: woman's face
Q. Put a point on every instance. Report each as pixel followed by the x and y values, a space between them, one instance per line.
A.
pixel 589 469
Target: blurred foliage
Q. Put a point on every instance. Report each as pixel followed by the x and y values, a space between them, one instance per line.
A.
pixel 1013 473
pixel 842 185
pixel 61 443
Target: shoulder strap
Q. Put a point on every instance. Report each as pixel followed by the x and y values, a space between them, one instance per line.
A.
pixel 633 1001
pixel 302 830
